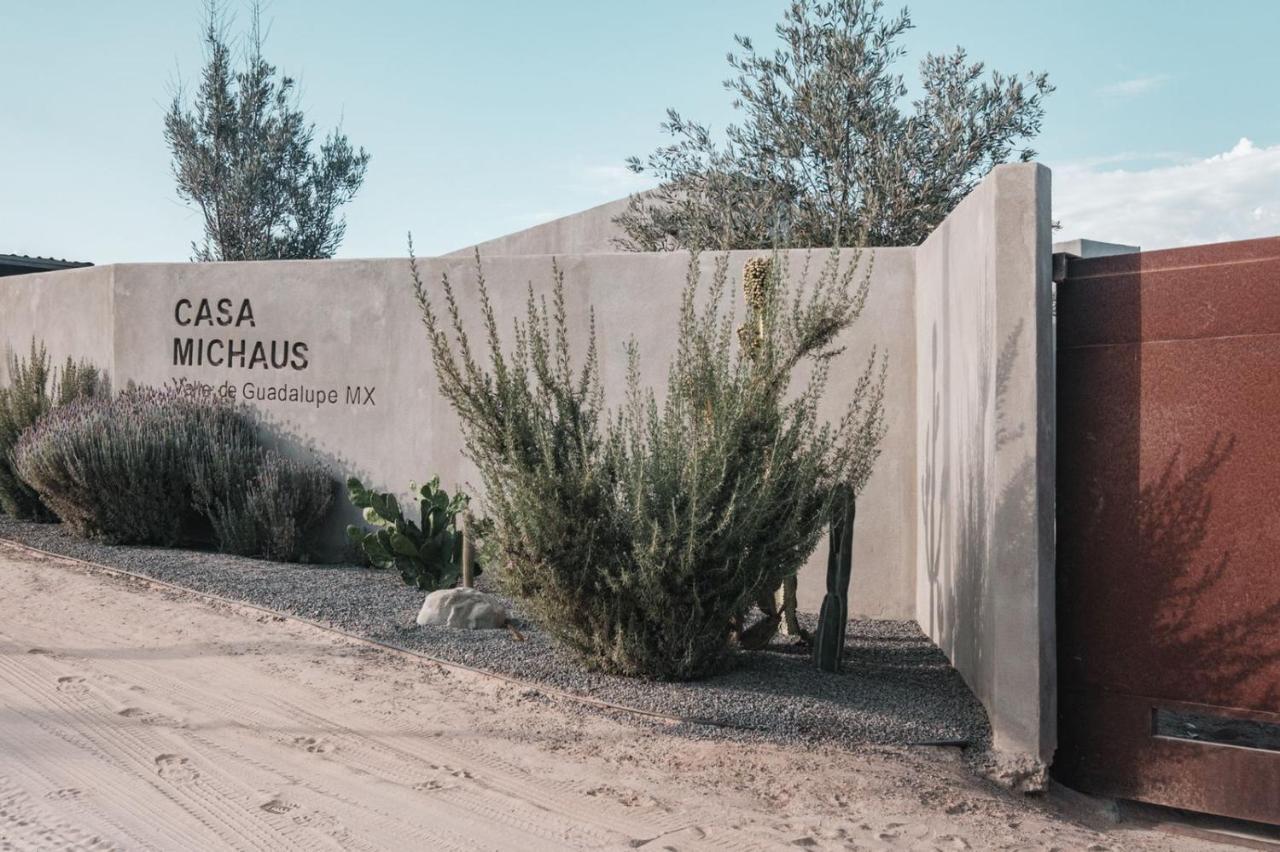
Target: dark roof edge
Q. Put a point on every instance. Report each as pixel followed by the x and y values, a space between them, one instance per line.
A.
pixel 42 263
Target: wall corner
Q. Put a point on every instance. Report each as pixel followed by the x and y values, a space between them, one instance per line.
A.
pixel 1023 588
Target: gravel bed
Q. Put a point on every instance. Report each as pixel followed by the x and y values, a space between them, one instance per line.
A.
pixel 897 687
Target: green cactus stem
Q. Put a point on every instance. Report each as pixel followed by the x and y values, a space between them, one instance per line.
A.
pixel 828 644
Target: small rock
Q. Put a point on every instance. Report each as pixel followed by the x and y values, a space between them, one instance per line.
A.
pixel 467 609
pixel 1018 772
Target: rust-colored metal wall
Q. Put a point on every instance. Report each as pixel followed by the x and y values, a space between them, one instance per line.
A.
pixel 1169 526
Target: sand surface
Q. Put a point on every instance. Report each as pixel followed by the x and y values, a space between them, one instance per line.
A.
pixel 133 717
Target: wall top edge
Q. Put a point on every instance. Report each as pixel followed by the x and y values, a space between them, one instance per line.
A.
pixel 1005 181
pixel 1212 254
pixel 449 259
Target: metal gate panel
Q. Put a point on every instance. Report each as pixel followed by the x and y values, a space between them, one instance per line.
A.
pixel 1169 527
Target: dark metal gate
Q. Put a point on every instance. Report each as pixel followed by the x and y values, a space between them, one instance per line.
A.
pixel 1169 528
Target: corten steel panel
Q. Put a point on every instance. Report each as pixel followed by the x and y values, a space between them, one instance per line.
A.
pixel 1106 748
pixel 1169 521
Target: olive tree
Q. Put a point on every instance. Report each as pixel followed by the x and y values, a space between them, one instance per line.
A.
pixel 829 150
pixel 244 156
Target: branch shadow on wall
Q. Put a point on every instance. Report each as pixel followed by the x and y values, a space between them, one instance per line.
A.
pixel 958 511
pixel 1216 640
pixel 1160 598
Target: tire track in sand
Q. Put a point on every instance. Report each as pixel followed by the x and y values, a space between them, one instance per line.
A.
pixel 204 786
pixel 140 752
pixel 488 787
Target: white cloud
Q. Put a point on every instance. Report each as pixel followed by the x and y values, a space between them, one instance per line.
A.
pixel 1230 196
pixel 613 181
pixel 1133 87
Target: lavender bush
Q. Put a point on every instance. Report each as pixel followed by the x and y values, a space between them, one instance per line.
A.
pixel 158 467
pixel 261 503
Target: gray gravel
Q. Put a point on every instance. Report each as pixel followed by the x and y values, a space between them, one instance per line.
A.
pixel 896 689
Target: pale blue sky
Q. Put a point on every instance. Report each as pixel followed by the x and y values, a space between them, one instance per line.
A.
pixel 485 117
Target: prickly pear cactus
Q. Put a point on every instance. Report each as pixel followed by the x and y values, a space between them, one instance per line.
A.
pixel 427 554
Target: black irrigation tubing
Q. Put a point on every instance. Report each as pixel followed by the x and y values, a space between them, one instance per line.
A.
pixel 598 703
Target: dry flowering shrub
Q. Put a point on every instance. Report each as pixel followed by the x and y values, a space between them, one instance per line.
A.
pixel 118 469
pixel 639 536
pixel 168 468
pixel 262 503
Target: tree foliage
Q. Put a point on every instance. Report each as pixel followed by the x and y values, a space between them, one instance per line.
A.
pixel 640 536
pixel 828 152
pixel 243 155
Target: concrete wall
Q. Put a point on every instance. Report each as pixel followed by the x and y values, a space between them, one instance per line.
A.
pixel 985 394
pixel 590 231
pixel 362 330
pixel 69 311
pixel 1093 248
pixel 955 527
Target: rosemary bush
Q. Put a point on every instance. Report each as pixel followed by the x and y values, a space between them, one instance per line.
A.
pixel 34 388
pixel 637 536
pixel 159 467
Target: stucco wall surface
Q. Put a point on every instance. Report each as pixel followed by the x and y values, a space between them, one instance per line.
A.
pixel 954 529
pixel 69 311
pixel 590 231
pixel 370 406
pixel 985 395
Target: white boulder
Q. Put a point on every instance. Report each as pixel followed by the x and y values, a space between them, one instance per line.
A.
pixel 467 609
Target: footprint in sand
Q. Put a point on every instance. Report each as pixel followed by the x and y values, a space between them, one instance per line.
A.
pixel 175 769
pixel 72 685
pixel 277 806
pixel 625 797
pixel 322 822
pixel 64 794
pixel 432 786
pixel 441 781
pixel 148 718
pixel 311 744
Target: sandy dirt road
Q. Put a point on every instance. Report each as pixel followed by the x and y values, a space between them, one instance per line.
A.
pixel 133 717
